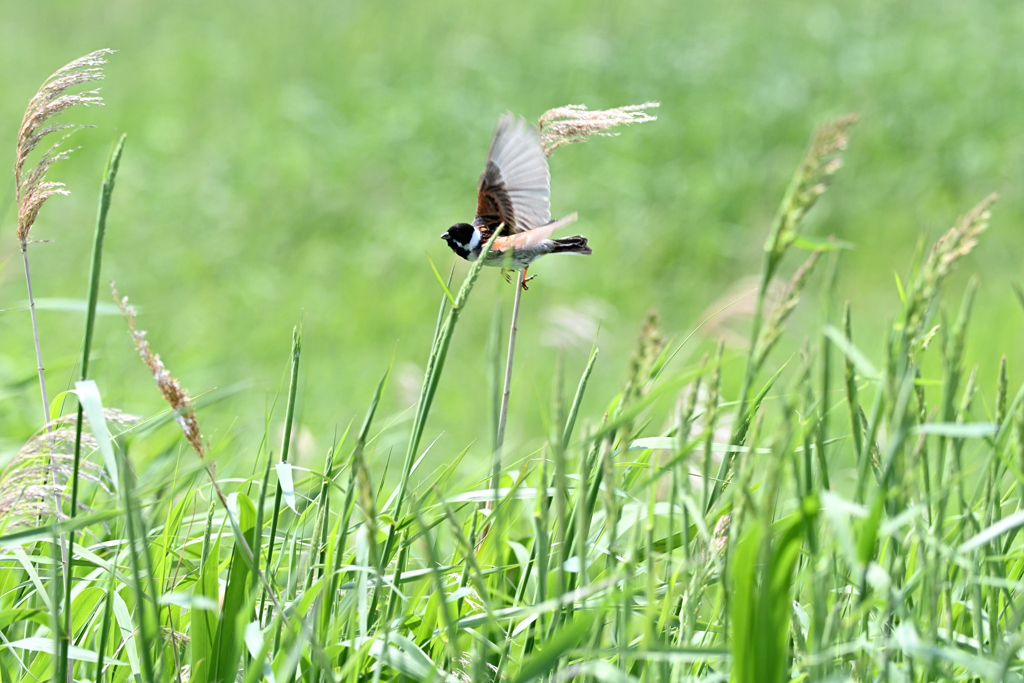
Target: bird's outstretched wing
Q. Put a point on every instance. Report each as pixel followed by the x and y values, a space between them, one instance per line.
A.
pixel 515 187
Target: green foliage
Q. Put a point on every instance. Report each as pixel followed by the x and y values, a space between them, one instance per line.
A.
pixel 762 566
pixel 882 547
pixel 281 160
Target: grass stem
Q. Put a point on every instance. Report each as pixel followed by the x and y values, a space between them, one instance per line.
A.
pixel 507 390
pixel 106 190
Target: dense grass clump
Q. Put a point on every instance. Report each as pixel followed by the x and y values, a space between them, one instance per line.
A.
pixel 841 518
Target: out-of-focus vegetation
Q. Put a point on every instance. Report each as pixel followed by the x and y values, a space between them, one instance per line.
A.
pixel 839 518
pixel 294 162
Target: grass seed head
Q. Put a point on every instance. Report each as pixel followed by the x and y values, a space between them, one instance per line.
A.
pixel 956 243
pixel 773 327
pixel 720 537
pixel 170 388
pixel 813 176
pixel 38 474
pixel 31 187
pixel 649 345
pixel 575 123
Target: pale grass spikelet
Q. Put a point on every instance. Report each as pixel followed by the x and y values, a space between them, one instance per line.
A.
pixel 812 178
pixel 720 537
pixel 772 330
pixel 955 243
pixel 643 363
pixel 575 123
pixel 118 417
pixel 38 474
pixel 959 240
pixel 31 187
pixel 170 389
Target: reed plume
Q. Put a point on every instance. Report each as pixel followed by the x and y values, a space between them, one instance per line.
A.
pixel 185 416
pixel 575 123
pixel 557 127
pixel 32 189
pixel 25 493
pixel 170 388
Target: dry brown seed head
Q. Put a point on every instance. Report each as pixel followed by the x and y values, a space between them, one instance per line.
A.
pixel 31 187
pixel 169 387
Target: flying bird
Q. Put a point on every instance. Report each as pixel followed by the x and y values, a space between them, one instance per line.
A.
pixel 513 198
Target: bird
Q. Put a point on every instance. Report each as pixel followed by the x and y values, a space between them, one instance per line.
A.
pixel 513 198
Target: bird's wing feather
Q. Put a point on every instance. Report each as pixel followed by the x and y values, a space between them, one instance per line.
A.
pixel 515 187
pixel 532 238
pixel 493 204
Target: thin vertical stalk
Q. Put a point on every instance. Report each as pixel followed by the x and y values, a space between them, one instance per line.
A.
pixel 145 637
pixel 499 437
pixel 435 365
pixel 39 353
pixel 63 672
pixel 106 190
pixel 61 665
pixel 46 402
pixel 285 444
pixel 494 371
pixel 506 392
pixel 108 610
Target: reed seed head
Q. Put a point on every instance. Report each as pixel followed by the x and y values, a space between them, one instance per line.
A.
pixel 31 186
pixel 776 318
pixel 170 389
pixel 39 472
pixel 575 123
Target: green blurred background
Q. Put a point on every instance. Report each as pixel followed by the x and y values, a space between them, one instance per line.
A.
pixel 298 161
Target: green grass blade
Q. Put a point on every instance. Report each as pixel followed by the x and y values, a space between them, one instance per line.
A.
pixel 574 409
pixel 444 286
pixel 106 191
pixel 293 383
pixel 227 642
pixel 435 365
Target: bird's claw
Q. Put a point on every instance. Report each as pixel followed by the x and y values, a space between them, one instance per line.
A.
pixel 525 280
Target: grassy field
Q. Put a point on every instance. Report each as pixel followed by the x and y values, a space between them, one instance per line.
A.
pixel 834 493
pixel 846 521
pixel 286 165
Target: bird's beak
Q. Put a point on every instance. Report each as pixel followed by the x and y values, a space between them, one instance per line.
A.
pixel 444 236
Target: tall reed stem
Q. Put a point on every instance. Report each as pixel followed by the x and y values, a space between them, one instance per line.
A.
pixel 35 337
pixel 499 441
pixel 106 190
pixel 46 409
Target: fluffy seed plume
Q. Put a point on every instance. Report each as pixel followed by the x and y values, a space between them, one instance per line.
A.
pixel 170 389
pixel 575 123
pixel 32 188
pixel 39 472
pixel 185 416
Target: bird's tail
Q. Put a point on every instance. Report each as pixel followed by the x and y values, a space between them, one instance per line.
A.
pixel 577 244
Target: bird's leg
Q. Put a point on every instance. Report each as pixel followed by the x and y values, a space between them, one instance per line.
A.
pixel 507 274
pixel 525 279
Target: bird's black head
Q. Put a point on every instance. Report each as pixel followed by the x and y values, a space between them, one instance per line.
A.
pixel 461 237
pixel 460 233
